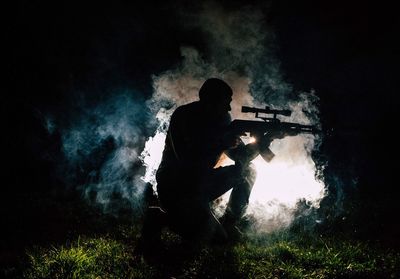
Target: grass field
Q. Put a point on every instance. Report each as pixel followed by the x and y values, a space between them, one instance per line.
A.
pixel 74 240
pixel 277 255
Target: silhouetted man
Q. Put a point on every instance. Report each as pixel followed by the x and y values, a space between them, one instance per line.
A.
pixel 187 180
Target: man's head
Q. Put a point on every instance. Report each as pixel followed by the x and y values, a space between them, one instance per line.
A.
pixel 216 94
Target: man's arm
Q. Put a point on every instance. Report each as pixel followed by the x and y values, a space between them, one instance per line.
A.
pixel 246 153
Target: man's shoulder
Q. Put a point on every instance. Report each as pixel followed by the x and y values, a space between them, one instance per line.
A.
pixel 188 108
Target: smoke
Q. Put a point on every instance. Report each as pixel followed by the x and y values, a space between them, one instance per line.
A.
pixel 113 146
pixel 102 146
pixel 240 50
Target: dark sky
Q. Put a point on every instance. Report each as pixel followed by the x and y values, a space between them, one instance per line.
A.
pixel 344 51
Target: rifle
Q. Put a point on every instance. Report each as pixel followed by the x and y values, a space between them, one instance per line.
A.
pixel 269 124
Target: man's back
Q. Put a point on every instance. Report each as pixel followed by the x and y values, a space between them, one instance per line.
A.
pixel 194 140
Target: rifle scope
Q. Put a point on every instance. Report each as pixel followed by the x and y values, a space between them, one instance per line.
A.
pixel 267 110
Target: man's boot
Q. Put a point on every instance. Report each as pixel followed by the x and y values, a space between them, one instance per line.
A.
pixel 150 245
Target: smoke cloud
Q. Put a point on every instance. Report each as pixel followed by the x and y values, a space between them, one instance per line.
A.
pixel 240 50
pixel 102 148
pixel 113 146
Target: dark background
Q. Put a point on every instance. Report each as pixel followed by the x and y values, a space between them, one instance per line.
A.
pixel 346 52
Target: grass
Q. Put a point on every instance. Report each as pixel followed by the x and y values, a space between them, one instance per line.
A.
pixel 85 258
pixel 318 258
pixel 279 255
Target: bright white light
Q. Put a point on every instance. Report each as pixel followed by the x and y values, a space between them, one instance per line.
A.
pixel 252 139
pixel 279 185
pixel 151 156
pixel 285 183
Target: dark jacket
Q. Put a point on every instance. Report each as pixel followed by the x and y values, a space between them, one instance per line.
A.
pixel 194 141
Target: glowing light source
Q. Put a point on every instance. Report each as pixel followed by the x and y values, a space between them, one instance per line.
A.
pixel 252 140
pixel 285 182
pixel 151 156
pixel 288 178
pixel 279 185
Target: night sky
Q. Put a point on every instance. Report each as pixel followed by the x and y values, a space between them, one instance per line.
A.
pixel 62 52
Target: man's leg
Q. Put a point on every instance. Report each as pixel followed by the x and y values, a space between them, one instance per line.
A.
pixel 188 212
pixel 239 198
pixel 241 180
pixel 154 219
